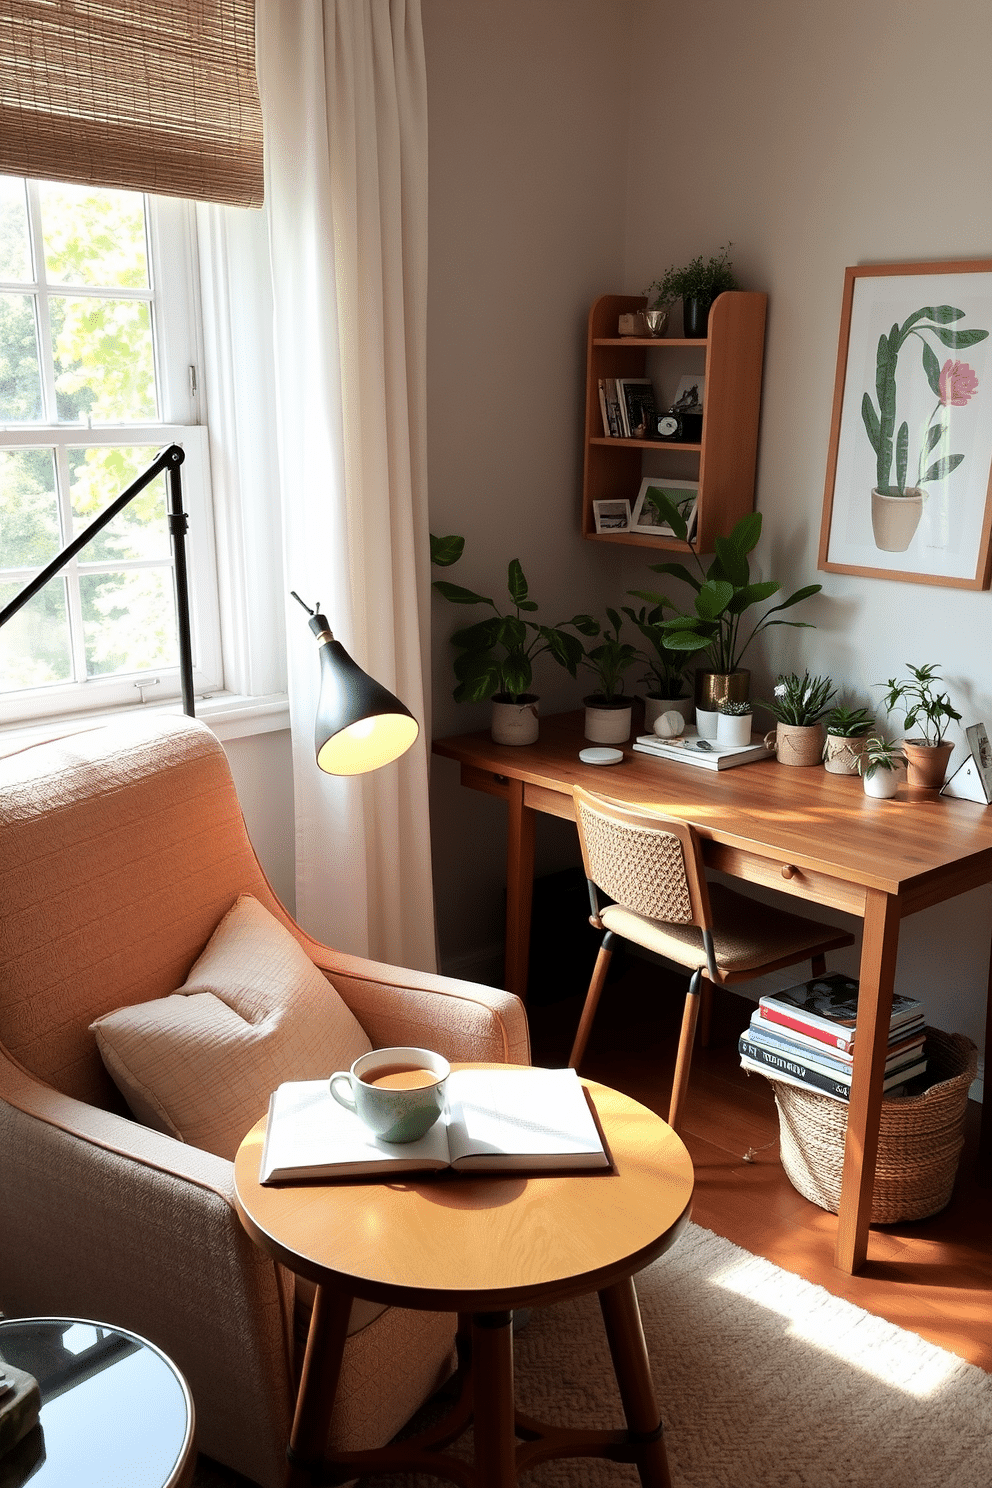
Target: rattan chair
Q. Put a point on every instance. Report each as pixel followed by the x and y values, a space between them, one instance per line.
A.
pixel 651 866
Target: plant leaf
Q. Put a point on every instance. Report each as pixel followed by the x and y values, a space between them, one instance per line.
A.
pixel 931 367
pixel 446 550
pixel 566 649
pixel 752 594
pixel 584 624
pixel 957 340
pixel 942 467
pixel 713 598
pixel 902 456
pixel 934 435
pixel 458 595
pixel 668 511
pixel 677 571
pixel 870 420
pixel 516 583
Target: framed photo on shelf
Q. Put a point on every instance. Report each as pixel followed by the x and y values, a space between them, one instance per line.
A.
pixel 689 394
pixel 907 493
pixel 611 516
pixel 647 518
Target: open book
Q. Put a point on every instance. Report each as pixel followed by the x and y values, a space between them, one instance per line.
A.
pixel 497 1121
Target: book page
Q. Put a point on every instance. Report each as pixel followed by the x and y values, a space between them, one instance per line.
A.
pixel 311 1135
pixel 521 1118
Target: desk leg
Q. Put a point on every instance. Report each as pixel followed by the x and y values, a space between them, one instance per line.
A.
pixel 985 1124
pixel 622 1318
pixel 879 948
pixel 519 889
pixel 318 1384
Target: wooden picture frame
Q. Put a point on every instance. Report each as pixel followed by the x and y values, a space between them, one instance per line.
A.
pixel 909 466
pixel 646 518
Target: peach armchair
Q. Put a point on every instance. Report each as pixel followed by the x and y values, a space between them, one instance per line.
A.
pixel 121 849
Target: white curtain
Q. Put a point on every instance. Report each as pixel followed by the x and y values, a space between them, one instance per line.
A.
pixel 343 89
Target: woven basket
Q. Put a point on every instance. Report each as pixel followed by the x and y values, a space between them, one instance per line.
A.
pixel 919 1141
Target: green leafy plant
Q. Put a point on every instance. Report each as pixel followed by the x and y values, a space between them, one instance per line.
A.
pixel 917 697
pixel 496 655
pixel 849 723
pixel 800 700
pixel 697 280
pixel 734 707
pixel 724 594
pixel 666 665
pixel 611 658
pixel 952 385
pixel 879 754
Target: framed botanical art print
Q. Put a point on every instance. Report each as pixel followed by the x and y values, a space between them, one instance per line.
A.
pixel 907 492
pixel 646 517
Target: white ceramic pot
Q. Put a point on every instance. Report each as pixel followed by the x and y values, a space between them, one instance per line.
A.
pixel 882 783
pixel 655 706
pixel 734 728
pixel 516 722
pixel 707 722
pixel 608 725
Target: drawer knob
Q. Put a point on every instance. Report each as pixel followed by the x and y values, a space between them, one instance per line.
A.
pixel 788 870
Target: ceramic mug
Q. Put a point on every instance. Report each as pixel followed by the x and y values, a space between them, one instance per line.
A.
pixel 398 1092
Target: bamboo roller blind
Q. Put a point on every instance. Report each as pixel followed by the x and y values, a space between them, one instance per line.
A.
pixel 143 95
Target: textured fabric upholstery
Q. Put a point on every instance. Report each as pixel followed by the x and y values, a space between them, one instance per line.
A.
pixel 121 850
pixel 253 1012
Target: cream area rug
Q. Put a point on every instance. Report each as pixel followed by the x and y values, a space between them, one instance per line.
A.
pixel 764 1381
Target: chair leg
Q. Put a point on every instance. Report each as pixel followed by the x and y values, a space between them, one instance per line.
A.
pixel 683 1059
pixel 705 1012
pixel 592 1001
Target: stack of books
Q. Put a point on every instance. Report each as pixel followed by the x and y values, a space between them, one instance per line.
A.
pixel 806 1036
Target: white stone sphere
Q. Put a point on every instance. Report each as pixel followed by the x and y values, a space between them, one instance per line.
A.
pixel 669 725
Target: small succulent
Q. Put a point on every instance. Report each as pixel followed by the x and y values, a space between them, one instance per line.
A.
pixel 849 723
pixel 880 754
pixel 735 707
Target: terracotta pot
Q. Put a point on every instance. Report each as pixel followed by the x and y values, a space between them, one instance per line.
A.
pixel 841 754
pixel 927 763
pixel 799 743
pixel 894 519
pixel 608 722
pixel 710 688
pixel 514 722
pixel 655 706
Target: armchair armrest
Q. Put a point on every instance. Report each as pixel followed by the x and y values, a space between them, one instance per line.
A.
pixel 395 1005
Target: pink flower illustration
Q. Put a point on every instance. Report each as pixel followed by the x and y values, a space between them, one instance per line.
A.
pixel 957 383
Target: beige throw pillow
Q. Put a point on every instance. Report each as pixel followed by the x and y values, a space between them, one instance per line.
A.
pixel 254 1011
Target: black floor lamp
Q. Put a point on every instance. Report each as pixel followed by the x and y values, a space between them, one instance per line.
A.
pixel 170 460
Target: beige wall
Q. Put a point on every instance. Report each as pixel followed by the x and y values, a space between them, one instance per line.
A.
pixel 579 146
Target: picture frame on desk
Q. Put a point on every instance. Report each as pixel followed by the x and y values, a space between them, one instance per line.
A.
pixel 646 517
pixel 908 491
pixel 611 516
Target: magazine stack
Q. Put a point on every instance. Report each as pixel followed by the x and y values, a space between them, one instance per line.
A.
pixel 805 1036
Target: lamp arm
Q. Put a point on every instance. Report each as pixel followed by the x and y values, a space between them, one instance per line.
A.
pixel 169 459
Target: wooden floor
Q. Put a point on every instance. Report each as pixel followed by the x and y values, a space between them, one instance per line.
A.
pixel 933 1276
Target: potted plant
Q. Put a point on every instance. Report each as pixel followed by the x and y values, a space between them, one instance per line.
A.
pixel 846 729
pixel 798 703
pixel 608 711
pixel 917 697
pixel 496 655
pixel 667 689
pixel 697 285
pixel 879 764
pixel 733 723
pixel 896 507
pixel 724 593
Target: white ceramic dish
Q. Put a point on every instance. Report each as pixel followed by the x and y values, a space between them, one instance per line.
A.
pixel 600 756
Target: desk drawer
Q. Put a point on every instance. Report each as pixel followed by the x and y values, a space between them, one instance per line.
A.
pixel 788 878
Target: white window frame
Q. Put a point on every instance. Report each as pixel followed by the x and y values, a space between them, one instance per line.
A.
pixel 174 280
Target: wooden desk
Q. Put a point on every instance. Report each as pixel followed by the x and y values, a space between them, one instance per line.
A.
pixel 802 831
pixel 480 1247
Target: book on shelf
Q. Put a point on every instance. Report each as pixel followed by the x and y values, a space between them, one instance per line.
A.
pixel 637 408
pixel 800 1071
pixel 608 409
pixel 496 1121
pixel 904 1041
pixel 829 1061
pixel 827 1008
pixel 689 749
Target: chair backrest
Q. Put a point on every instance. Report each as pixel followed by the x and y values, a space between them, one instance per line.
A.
pixel 121 848
pixel 648 863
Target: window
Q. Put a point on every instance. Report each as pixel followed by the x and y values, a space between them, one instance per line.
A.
pixel 98 371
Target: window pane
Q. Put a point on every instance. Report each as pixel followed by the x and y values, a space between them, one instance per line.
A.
pixel 104 367
pixel 97 476
pixel 93 237
pixel 15 252
pixel 34 645
pixel 20 377
pixel 129 621
pixel 29 514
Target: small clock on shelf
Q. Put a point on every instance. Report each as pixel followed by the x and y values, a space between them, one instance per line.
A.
pixel 668 426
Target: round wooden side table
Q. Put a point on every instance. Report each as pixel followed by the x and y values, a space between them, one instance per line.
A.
pixel 115 1411
pixel 480 1247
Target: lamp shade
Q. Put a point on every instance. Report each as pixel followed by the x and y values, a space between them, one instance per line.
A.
pixel 360 725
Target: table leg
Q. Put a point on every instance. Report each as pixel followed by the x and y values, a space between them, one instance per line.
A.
pixel 318 1384
pixel 622 1318
pixel 879 948
pixel 494 1413
pixel 519 888
pixel 985 1122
